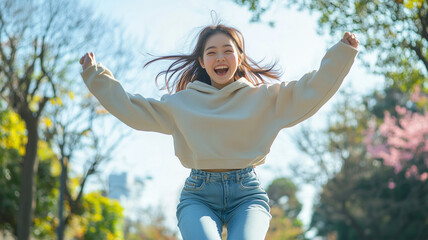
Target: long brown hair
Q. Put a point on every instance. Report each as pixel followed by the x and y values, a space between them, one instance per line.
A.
pixel 186 68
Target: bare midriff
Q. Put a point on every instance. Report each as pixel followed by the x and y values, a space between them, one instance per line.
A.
pixel 219 170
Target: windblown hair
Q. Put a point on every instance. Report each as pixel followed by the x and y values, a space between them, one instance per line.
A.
pixel 186 68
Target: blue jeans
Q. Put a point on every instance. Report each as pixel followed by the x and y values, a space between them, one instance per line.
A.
pixel 210 200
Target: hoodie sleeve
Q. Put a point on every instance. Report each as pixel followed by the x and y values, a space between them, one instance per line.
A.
pixel 140 113
pixel 296 101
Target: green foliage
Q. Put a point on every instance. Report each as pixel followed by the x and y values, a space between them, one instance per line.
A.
pixel 282 194
pixel 38 62
pixel 395 31
pixel 13 132
pixel 284 210
pixel 371 210
pixel 41 42
pixel 10 146
pixel 282 227
pixel 45 221
pixel 406 77
pixel 257 8
pixel 102 218
pixel 12 149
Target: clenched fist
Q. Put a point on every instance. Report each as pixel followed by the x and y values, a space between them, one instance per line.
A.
pixel 87 60
pixel 350 39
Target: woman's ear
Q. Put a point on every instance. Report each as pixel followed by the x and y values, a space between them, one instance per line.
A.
pixel 201 62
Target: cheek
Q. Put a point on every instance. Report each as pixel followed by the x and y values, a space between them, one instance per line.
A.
pixel 208 61
pixel 233 59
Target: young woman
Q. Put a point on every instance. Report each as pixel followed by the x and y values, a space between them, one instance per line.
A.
pixel 223 118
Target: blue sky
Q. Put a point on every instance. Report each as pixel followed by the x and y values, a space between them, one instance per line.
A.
pixel 167 27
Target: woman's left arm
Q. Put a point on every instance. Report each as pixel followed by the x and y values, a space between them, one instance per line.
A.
pixel 296 101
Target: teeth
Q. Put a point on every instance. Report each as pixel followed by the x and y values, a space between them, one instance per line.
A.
pixel 221 67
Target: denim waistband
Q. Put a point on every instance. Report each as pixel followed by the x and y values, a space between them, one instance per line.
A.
pixel 219 176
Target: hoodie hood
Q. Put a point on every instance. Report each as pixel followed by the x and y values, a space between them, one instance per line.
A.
pixel 206 88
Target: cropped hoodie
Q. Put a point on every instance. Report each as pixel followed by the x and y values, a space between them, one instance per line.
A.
pixel 230 128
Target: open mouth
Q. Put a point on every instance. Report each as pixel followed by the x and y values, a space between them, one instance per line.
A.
pixel 221 70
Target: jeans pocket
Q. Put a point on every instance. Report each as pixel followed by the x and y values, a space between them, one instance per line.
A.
pixel 193 183
pixel 249 181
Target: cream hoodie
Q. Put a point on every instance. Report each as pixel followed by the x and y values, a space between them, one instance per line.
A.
pixel 231 128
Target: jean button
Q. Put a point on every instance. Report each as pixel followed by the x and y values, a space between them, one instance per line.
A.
pixel 225 177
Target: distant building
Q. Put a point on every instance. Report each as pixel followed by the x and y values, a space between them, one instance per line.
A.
pixel 118 186
pixel 127 190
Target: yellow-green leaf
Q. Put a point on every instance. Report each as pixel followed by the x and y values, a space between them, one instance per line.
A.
pixel 47 122
pixel 410 4
pixel 71 95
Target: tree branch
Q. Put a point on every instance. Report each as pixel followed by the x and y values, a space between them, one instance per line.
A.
pixel 423 32
pixel 88 173
pixel 41 106
pixel 30 70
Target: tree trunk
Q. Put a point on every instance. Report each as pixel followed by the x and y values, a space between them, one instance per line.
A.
pixel 27 199
pixel 62 222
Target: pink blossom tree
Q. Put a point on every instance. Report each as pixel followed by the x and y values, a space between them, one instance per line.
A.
pixel 401 142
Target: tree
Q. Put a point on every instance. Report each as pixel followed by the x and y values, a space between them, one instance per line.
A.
pixel 340 162
pixel 40 44
pixel 285 207
pixel 356 199
pixel 403 143
pixel 12 147
pixel 282 194
pixel 395 31
pixel 400 143
pixel 373 209
pixel 92 205
pixel 338 147
pixel 79 132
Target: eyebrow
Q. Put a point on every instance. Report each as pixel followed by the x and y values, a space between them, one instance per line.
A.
pixel 226 45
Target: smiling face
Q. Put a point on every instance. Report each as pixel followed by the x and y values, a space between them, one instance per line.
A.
pixel 220 59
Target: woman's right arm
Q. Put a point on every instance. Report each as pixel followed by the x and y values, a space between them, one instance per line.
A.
pixel 141 113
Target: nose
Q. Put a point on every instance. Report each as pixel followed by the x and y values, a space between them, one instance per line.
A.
pixel 220 58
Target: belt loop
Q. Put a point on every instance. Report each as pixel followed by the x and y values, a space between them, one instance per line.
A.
pixel 237 177
pixel 208 177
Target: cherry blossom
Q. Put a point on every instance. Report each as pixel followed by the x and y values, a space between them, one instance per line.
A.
pixel 400 142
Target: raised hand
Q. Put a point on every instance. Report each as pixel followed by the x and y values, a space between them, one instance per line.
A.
pixel 350 39
pixel 87 60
